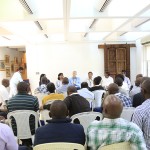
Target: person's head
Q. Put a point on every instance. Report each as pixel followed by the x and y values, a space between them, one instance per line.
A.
pixel 90 75
pixel 58 110
pixel 123 72
pixel 112 107
pixel 139 75
pixel 138 81
pixel 42 75
pixel 71 90
pixel 65 81
pixel 74 74
pixel 20 69
pixel 97 80
pixel 145 89
pixel 107 74
pixel 51 87
pixel 113 88
pixel 60 76
pixel 118 81
pixel 5 82
pixel 23 87
pixel 84 85
pixel 44 80
pixel 120 76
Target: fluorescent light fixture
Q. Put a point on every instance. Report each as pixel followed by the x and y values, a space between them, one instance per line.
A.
pixel 142 23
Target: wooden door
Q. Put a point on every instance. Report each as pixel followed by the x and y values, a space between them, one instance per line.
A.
pixel 117 58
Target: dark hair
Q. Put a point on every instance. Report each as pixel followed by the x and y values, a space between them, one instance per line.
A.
pixel 44 80
pixel 108 73
pixel 118 81
pixel 65 80
pixel 84 85
pixel 90 72
pixel 20 68
pixel 60 74
pixel 124 71
pixel 51 87
pixel 120 76
pixel 71 89
pixel 97 80
pixel 22 87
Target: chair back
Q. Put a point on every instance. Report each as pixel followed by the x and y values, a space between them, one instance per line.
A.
pixel 44 115
pixel 59 146
pixel 127 113
pixel 40 96
pixel 98 98
pixel 117 146
pixel 22 122
pixel 86 118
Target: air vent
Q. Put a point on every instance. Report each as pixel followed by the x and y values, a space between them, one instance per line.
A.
pixel 102 4
pixel 26 6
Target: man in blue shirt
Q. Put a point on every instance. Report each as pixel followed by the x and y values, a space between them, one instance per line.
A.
pixel 74 80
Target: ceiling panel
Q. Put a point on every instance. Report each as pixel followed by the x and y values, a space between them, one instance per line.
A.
pixel 79 25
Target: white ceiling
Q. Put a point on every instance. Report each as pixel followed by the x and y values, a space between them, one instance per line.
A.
pixel 72 21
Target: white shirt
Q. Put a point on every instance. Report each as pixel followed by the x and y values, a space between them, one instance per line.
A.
pixel 84 92
pixel 90 82
pixel 107 81
pixel 16 78
pixel 7 140
pixel 4 95
pixel 58 83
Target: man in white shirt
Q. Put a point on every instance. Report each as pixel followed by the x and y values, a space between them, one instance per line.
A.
pixel 4 95
pixel 16 78
pixel 126 79
pixel 106 80
pixel 90 79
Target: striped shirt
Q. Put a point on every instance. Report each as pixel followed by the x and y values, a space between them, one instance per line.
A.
pixel 23 101
pixel 141 117
pixel 125 100
pixel 110 131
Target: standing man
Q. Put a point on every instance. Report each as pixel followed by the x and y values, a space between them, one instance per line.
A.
pixel 74 80
pixel 90 79
pixel 16 78
pixel 126 79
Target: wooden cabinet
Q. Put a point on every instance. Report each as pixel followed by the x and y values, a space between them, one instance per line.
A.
pixel 117 58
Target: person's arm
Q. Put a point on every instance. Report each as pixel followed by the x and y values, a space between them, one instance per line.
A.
pixel 78 83
pixel 11 143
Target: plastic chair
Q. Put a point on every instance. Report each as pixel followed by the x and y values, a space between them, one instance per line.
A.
pixel 86 118
pixel 40 96
pixel 117 146
pixel 44 115
pixel 127 113
pixel 59 146
pixel 98 94
pixel 22 121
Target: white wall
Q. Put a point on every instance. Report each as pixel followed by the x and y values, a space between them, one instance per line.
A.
pixel 54 58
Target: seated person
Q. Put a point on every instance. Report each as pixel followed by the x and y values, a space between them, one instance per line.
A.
pixel 113 129
pixel 74 80
pixel 97 86
pixel 7 139
pixel 76 103
pixel 23 101
pixel 52 95
pixel 59 81
pixel 114 89
pixel 43 75
pixel 43 86
pixel 63 88
pixel 59 128
pixel 85 92
pixel 119 82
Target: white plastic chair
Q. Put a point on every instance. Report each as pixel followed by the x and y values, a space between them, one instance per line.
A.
pixel 40 96
pixel 86 118
pixel 44 115
pixel 127 113
pixel 59 146
pixel 116 146
pixel 22 121
pixel 98 98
